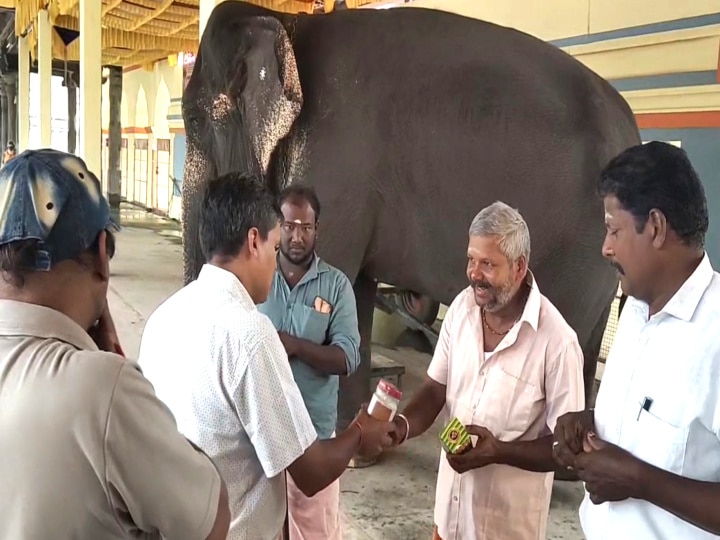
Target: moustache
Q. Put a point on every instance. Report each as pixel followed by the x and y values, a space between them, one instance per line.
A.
pixel 481 284
pixel 617 267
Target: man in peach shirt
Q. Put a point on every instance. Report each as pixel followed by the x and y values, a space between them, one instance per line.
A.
pixel 507 365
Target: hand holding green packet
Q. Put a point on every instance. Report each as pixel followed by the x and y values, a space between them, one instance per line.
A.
pixel 455 438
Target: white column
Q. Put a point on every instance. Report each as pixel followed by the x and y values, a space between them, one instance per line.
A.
pixel 45 76
pixel 90 109
pixel 206 7
pixel 23 96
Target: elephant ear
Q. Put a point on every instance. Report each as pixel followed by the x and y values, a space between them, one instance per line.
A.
pixel 266 83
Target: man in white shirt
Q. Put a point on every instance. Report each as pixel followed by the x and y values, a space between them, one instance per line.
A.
pixel 650 451
pixel 219 365
pixel 506 365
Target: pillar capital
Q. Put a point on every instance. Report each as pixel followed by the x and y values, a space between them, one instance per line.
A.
pixel 90 106
pixel 44 61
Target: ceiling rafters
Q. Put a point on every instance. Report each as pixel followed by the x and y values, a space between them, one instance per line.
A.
pixel 139 32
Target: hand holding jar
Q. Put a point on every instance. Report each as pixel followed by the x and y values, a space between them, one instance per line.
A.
pixel 384 403
pixel 376 420
pixel 374 434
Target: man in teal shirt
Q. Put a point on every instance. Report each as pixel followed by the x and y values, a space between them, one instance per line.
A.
pixel 312 305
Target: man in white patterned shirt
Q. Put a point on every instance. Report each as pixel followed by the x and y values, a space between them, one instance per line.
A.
pixel 219 365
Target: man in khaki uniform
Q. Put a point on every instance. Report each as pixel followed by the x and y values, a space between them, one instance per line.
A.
pixel 89 452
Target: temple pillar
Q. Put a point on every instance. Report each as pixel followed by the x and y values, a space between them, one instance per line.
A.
pixel 72 117
pixel 45 75
pixel 90 109
pixel 4 118
pixel 10 80
pixel 23 97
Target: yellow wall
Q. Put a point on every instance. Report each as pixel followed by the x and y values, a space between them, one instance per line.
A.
pixel 679 51
pixel 608 15
pixel 556 19
pixel 531 16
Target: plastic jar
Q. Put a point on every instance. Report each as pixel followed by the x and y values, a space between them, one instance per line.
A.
pixel 385 401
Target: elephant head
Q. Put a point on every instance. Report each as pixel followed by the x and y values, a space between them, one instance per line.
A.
pixel 244 93
pixel 241 100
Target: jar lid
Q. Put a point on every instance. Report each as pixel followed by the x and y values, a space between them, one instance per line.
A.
pixel 390 389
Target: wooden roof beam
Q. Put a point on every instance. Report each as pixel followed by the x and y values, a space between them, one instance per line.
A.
pixel 189 23
pixel 112 4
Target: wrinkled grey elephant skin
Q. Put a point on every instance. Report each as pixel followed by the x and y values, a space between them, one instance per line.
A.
pixel 408 121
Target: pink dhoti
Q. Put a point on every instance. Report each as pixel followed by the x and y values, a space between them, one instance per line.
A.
pixel 314 518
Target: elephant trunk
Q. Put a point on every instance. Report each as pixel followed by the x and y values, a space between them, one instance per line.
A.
pixel 198 171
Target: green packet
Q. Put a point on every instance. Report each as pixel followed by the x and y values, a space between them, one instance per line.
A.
pixel 455 437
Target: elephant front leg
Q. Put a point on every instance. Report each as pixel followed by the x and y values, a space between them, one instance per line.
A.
pixel 355 389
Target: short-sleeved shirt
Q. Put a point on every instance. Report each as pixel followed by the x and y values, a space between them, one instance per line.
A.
pixel 294 312
pixel 219 365
pixel 88 451
pixel 518 391
pixel 672 359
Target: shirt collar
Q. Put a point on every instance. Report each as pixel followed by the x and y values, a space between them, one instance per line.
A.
pixel 24 319
pixel 317 267
pixel 685 301
pixel 531 312
pixel 224 280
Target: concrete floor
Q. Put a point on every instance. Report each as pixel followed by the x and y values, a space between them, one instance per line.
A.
pixel 392 499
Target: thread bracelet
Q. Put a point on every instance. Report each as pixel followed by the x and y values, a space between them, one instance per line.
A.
pixel 407 428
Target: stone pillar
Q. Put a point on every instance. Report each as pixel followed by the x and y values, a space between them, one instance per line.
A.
pixel 114 136
pixel 23 98
pixel 45 76
pixel 72 117
pixel 11 91
pixel 4 112
pixel 90 109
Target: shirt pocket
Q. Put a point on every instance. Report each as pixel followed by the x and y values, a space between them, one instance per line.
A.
pixel 507 404
pixel 314 325
pixel 660 442
pixel 463 410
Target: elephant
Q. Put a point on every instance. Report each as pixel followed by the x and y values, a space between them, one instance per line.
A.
pixel 407 122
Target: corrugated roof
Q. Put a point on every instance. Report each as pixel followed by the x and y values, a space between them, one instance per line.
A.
pixel 135 31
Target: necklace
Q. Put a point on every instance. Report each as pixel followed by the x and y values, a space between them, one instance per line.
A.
pixel 482 313
pixel 525 295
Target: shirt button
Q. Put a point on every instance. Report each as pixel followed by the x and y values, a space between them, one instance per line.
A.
pixel 455 498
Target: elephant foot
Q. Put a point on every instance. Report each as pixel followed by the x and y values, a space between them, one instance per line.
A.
pixel 359 462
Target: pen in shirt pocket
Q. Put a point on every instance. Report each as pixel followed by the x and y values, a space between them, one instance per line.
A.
pixel 645 406
pixel 321 305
